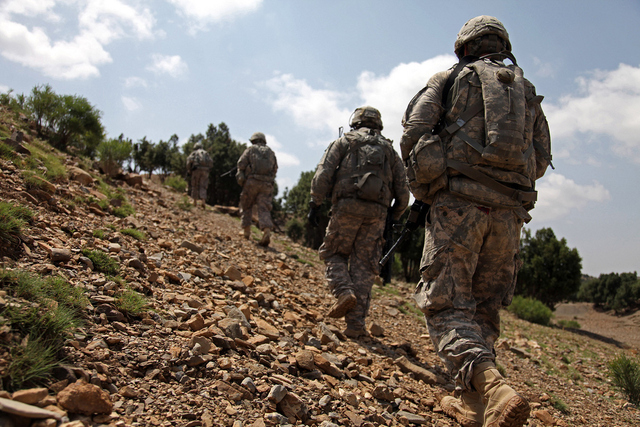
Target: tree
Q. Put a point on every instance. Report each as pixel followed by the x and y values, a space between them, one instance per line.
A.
pixel 143 156
pixel 612 291
pixel 112 153
pixel 550 270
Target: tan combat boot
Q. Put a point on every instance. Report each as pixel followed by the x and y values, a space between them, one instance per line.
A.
pixel 503 406
pixel 345 302
pixel 468 410
pixel 266 237
pixel 247 232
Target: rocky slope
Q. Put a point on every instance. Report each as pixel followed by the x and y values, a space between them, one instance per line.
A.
pixel 235 335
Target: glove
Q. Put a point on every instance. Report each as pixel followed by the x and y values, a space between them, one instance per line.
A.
pixel 312 217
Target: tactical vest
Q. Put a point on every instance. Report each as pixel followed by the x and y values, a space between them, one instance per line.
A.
pixel 261 163
pixel 365 171
pixel 201 159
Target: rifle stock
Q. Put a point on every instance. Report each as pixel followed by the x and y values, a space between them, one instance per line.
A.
pixel 417 217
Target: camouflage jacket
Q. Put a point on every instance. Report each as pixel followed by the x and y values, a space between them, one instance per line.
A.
pixel 246 167
pixel 199 159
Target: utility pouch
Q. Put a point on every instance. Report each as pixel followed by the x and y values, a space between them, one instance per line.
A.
pixel 427 160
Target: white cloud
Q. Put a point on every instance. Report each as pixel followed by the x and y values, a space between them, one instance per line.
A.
pixel 284 159
pixel 131 82
pixel 608 103
pixel 131 103
pixel 316 109
pixel 558 195
pixel 80 56
pixel 172 65
pixel 545 69
pixel 204 12
pixel 4 89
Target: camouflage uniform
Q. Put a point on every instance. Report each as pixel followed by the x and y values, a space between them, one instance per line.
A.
pixel 199 163
pixel 354 237
pixel 471 249
pixel 257 189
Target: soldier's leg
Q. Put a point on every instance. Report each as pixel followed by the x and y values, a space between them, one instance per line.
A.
pixel 335 252
pixel 264 204
pixel 247 199
pixel 453 240
pixel 364 268
pixel 204 183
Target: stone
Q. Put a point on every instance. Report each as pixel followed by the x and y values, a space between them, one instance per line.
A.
pixel 30 396
pixel 80 175
pixel 277 393
pixel 60 255
pixel 25 410
pixel 83 398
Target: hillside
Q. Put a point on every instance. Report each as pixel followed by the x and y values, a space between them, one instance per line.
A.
pixel 234 334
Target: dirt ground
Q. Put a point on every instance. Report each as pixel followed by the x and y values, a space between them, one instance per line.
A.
pixel 623 331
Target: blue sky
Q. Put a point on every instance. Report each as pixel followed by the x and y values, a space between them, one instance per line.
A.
pixel 295 70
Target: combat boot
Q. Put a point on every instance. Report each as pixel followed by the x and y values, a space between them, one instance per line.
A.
pixel 355 332
pixel 345 302
pixel 247 232
pixel 468 410
pixel 266 237
pixel 503 406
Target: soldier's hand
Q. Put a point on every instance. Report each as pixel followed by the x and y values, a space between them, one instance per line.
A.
pixel 312 217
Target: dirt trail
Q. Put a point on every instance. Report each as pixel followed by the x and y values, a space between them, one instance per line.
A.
pixel 624 330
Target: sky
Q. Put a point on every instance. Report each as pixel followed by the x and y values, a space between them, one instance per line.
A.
pixel 295 70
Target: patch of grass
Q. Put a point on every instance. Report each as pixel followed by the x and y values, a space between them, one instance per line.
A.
pixel 111 227
pixel 99 234
pixel 124 211
pixel 102 262
pixel 43 155
pixel 13 219
pixel 7 153
pixel 559 404
pixel 565 359
pixel 379 291
pixel 531 310
pixel 136 234
pixel 52 309
pixel 177 183
pixel 573 324
pixel 411 310
pixel 131 302
pixel 34 180
pixel 304 261
pixel 575 375
pixel 185 203
pixel 501 369
pixel 625 376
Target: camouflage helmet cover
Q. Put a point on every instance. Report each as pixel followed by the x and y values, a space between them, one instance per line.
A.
pixel 366 115
pixel 197 146
pixel 258 136
pixel 478 27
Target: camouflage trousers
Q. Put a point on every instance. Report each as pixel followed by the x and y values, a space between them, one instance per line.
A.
pixel 258 193
pixel 469 265
pixel 199 183
pixel 351 251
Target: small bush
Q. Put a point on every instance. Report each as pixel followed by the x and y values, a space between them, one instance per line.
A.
pixel 177 183
pixel 33 180
pixel 531 310
pixel 136 234
pixel 7 153
pixel 112 153
pixel 625 375
pixel 13 219
pixel 102 262
pixel 573 324
pixel 185 204
pixel 99 234
pixel 295 229
pixel 124 211
pixel 131 302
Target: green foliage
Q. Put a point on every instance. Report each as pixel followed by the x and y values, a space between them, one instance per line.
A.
pixel 124 211
pixel 13 219
pixel 572 324
pixel 100 234
pixel 7 153
pixel 559 404
pixel 143 156
pixel 613 291
pixel 102 262
pixel 625 375
pixel 294 229
pixel 531 310
pixel 185 203
pixel 33 180
pixel 42 155
pixel 112 154
pixel 66 120
pixel 177 183
pixel 136 234
pixel 131 302
pixel 54 310
pixel 15 103
pixel 550 270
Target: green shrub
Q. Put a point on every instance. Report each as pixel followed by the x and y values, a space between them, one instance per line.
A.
pixel 185 203
pixel 112 153
pixel 295 229
pixel 136 234
pixel 176 182
pixel 131 302
pixel 100 234
pixel 34 180
pixel 102 262
pixel 531 310
pixel 124 211
pixel 7 153
pixel 54 310
pixel 625 375
pixel 573 324
pixel 13 219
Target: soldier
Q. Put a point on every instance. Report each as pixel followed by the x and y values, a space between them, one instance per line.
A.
pixel 475 141
pixel 199 163
pixel 362 174
pixel 256 172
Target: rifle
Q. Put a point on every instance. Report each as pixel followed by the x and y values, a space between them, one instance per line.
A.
pixel 227 173
pixel 416 218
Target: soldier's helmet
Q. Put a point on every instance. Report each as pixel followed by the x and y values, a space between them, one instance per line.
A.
pixel 478 27
pixel 197 146
pixel 366 116
pixel 258 137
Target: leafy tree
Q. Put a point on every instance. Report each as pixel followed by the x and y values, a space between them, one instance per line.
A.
pixel 112 153
pixel 224 152
pixel 550 271
pixel 612 291
pixel 143 156
pixel 163 154
pixel 66 120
